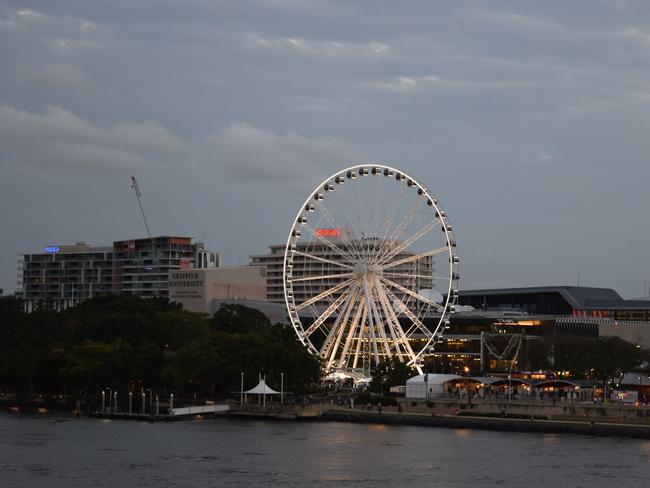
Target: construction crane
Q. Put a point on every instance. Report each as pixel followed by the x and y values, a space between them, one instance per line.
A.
pixel 136 188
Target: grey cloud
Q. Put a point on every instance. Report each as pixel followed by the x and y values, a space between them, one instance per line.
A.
pixel 58 139
pixel 261 155
pixel 324 48
pixel 51 75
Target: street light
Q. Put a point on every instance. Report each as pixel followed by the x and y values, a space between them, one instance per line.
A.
pixel 467 383
pixel 110 400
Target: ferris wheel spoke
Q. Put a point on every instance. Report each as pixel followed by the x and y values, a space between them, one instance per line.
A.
pixel 400 228
pixel 350 247
pixel 412 293
pixel 371 323
pixel 415 257
pixel 322 277
pixel 331 352
pixel 361 336
pixel 412 275
pixel 396 328
pixel 406 311
pixel 353 241
pixel 339 323
pixel 374 221
pixel 322 260
pixel 323 295
pixel 379 323
pixel 327 242
pixel 356 324
pixel 410 241
pixel 326 314
pixel 392 211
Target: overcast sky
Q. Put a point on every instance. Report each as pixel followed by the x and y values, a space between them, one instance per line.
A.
pixel 529 120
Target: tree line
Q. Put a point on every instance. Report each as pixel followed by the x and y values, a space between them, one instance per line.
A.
pixel 126 342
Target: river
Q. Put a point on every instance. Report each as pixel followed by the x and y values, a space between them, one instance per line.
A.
pixel 60 451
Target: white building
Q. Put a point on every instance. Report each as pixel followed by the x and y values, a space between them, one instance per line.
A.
pixel 303 266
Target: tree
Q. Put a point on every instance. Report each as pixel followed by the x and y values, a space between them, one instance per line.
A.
pixel 391 372
pixel 236 318
pixel 93 365
pixel 601 358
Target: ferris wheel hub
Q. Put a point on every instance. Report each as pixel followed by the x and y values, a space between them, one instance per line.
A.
pixel 360 271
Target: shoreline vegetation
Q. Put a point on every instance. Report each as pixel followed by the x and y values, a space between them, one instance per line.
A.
pixel 132 346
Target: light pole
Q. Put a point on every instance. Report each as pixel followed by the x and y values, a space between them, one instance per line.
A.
pixel 241 391
pixel 281 388
pixel 115 401
pixel 467 383
pixel 130 402
pixel 144 396
pixel 103 401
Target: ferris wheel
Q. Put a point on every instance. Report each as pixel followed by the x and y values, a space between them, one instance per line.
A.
pixel 370 269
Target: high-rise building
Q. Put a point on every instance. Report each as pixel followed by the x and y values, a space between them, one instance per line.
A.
pixel 141 266
pixel 62 276
pixel 65 275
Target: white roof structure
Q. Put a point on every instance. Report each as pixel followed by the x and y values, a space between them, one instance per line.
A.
pixel 433 379
pixel 262 389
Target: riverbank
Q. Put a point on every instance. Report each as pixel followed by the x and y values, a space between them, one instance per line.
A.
pixel 530 425
pixel 444 415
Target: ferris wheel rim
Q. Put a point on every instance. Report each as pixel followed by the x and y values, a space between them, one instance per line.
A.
pixel 450 249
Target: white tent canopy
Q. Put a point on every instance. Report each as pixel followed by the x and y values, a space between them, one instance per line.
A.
pixel 262 389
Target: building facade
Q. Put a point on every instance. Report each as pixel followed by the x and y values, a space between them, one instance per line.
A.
pixel 420 269
pixel 62 276
pixel 495 327
pixel 197 289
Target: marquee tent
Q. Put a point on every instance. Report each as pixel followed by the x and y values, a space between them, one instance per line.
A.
pixel 262 389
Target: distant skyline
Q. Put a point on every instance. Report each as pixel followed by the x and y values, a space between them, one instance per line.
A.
pixel 529 120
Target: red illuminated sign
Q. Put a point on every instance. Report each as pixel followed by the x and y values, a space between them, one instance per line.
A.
pixel 335 232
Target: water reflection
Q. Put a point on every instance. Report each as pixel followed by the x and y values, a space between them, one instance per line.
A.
pixel 46 451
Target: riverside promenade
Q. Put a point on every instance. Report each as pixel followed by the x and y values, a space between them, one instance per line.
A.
pixel 514 416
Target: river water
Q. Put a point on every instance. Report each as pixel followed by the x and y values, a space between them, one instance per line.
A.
pixel 60 451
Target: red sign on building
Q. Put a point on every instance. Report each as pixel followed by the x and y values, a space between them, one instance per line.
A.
pixel 335 232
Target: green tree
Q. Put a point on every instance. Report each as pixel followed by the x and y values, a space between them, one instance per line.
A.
pixel 236 318
pixel 94 365
pixel 391 372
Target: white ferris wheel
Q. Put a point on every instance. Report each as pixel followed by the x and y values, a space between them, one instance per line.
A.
pixel 370 269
